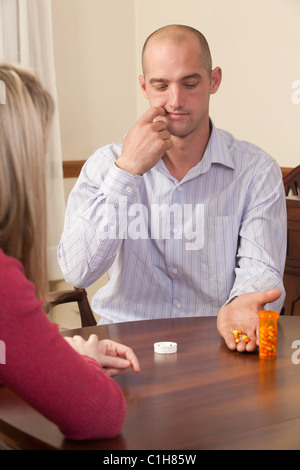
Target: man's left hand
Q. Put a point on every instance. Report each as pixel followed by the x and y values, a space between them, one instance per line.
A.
pixel 242 314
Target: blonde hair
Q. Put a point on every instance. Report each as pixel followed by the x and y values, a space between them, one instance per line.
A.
pixel 25 118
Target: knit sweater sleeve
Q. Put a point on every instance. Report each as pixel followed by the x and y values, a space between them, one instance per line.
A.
pixel 69 389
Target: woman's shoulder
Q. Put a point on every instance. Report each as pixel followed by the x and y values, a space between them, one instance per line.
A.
pixel 9 265
pixel 12 277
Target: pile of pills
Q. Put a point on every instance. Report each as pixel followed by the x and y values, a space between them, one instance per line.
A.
pixel 237 334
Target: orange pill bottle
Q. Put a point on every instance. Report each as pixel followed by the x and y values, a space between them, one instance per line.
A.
pixel 268 334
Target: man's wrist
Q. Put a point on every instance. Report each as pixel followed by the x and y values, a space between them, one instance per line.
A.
pixel 125 166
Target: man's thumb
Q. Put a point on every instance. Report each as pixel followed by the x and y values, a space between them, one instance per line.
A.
pixel 268 296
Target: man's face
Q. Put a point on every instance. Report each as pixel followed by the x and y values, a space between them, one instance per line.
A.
pixel 176 80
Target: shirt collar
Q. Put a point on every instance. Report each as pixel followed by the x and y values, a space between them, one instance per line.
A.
pixel 216 152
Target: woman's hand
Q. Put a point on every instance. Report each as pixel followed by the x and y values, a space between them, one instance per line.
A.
pixel 113 357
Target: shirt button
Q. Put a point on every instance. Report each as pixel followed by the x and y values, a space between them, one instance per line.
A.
pixel 129 189
pixel 179 305
pixel 175 230
pixel 175 271
pixel 179 188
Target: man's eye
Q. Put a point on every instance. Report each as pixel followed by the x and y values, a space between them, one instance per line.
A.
pixel 191 85
pixel 161 87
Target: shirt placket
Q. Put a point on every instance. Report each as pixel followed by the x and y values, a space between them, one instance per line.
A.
pixel 174 250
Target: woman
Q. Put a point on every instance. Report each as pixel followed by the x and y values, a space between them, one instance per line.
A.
pixel 63 379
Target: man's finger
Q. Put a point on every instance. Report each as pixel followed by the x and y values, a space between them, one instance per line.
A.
pixel 249 346
pixel 159 126
pixel 152 113
pixel 229 340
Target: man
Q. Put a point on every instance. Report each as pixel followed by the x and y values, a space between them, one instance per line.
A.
pixel 186 219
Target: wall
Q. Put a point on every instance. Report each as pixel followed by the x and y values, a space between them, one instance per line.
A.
pixel 94 44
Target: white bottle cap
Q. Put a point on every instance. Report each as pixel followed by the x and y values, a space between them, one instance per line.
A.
pixel 165 347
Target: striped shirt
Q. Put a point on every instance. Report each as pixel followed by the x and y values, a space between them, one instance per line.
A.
pixel 172 248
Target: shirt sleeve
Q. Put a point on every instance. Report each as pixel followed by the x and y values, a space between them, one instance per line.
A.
pixel 96 218
pixel 263 236
pixel 69 389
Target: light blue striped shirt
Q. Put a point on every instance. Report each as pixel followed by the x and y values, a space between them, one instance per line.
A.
pixel 172 248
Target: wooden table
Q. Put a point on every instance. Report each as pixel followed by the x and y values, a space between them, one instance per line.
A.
pixel 202 397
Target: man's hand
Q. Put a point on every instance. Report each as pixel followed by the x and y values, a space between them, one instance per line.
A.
pixel 146 143
pixel 113 357
pixel 242 314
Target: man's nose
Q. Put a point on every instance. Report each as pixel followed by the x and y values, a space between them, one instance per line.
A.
pixel 176 99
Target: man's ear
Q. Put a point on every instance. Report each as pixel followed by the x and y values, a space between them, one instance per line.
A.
pixel 143 85
pixel 216 78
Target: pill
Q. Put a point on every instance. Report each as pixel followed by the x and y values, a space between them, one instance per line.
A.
pixel 246 339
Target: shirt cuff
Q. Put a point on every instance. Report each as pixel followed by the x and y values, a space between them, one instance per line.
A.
pixel 119 182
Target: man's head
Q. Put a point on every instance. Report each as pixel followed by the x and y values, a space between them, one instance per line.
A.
pixel 179 33
pixel 178 77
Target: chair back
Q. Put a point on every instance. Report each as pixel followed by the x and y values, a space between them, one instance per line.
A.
pixel 77 295
pixel 291 182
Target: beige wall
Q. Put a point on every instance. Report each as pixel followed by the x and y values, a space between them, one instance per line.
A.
pixel 94 45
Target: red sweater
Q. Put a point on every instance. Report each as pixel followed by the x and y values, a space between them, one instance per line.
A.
pixel 69 389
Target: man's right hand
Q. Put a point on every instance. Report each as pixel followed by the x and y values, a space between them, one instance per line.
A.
pixel 146 143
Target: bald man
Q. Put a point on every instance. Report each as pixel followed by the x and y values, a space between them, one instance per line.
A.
pixel 186 219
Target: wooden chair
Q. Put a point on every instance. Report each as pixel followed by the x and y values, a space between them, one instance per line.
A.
pixel 291 182
pixel 77 295
pixel 291 278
